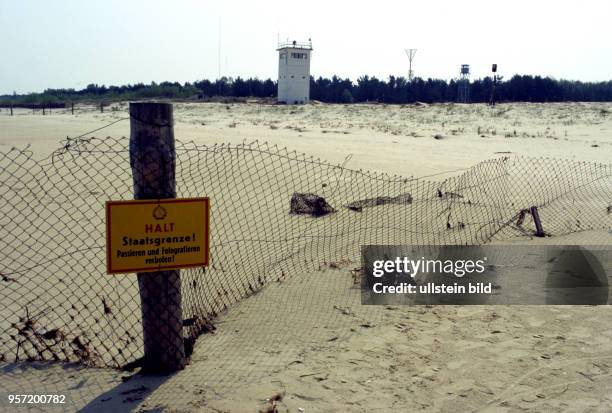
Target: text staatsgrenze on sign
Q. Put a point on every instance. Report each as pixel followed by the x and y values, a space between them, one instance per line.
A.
pixel 157 235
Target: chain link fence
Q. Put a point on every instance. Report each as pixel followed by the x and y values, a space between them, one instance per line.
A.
pixel 58 303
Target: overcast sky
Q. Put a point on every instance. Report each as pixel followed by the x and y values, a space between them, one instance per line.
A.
pixel 71 43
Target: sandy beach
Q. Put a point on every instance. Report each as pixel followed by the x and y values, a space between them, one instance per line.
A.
pixel 395 139
pixel 307 340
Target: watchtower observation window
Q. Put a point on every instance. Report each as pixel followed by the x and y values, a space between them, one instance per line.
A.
pixel 295 55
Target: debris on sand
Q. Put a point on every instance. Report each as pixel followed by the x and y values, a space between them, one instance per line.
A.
pixel 438 137
pixel 6 278
pixel 402 199
pixel 309 204
pixel 356 274
pixel 448 195
pixel 272 406
pixel 107 309
pixel 81 347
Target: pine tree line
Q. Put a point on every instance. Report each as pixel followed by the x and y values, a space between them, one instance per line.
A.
pixel 519 88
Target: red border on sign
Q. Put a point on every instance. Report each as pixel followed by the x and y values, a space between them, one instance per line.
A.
pixel 109 270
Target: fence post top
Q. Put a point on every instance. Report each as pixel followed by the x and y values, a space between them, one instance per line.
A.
pixel 150 104
pixel 152 112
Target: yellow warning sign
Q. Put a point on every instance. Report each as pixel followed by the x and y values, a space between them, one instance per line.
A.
pixel 156 235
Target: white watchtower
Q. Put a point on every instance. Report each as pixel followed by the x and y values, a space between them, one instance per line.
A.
pixel 294 72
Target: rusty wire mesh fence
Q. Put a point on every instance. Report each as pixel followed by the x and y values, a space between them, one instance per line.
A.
pixel 58 303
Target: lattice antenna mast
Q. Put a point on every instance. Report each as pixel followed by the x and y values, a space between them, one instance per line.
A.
pixel 410 53
pixel 219 50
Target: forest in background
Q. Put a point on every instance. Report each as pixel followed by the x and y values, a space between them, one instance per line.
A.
pixel 519 88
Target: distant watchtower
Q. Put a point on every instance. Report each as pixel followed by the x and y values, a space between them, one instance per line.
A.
pixel 294 72
pixel 463 95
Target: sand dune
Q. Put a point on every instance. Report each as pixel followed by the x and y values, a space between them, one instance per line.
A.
pixel 308 338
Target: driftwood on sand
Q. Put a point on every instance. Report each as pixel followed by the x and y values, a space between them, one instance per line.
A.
pixel 402 199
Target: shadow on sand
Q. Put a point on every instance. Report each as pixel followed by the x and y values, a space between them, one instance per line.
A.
pixel 85 389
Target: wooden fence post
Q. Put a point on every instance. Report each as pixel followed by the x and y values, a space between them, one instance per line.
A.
pixel 43 108
pixel 11 110
pixel 101 107
pixel 72 108
pixel 538 224
pixel 152 159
